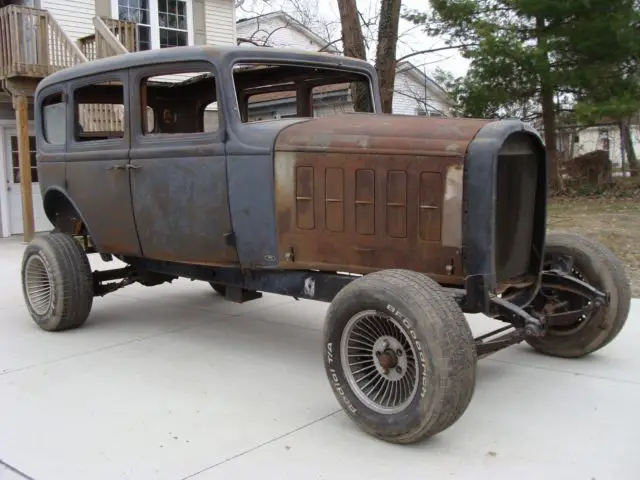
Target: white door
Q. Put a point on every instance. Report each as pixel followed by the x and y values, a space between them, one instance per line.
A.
pixel 14 195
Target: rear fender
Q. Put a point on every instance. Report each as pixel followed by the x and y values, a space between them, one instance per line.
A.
pixel 61 210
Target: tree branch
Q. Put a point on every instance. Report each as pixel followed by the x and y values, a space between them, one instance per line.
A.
pixel 330 44
pixel 439 49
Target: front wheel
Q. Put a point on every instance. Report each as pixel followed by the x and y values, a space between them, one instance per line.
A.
pixel 399 355
pixel 596 265
pixel 57 282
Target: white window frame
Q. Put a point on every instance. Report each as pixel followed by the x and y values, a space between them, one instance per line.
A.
pixel 155 24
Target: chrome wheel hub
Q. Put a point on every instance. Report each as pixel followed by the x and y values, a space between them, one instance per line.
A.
pixel 38 285
pixel 379 361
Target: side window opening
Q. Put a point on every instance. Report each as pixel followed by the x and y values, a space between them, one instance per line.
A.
pixel 332 99
pixel 179 103
pixel 99 111
pixel 211 117
pixel 54 119
pixel 275 91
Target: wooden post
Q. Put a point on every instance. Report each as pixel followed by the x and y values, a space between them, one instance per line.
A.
pixel 24 156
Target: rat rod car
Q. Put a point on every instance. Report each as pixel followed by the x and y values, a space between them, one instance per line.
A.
pixel 272 170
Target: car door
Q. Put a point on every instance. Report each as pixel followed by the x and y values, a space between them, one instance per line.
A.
pixel 97 159
pixel 178 170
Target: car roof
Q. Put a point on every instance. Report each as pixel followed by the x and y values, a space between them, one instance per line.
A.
pixel 202 52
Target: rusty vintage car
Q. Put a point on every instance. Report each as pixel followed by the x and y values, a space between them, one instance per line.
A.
pixel 264 170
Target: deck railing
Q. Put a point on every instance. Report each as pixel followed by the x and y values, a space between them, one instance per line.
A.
pixel 126 32
pixel 112 37
pixel 32 44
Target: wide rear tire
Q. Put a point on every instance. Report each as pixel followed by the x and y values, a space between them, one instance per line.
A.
pixel 596 265
pixel 57 283
pixel 219 289
pixel 399 355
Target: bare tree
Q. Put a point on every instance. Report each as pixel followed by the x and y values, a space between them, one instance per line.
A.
pixel 365 30
pixel 386 51
pixel 353 46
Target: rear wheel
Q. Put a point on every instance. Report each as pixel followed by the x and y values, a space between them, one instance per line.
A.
pixel 596 265
pixel 57 282
pixel 400 356
pixel 218 288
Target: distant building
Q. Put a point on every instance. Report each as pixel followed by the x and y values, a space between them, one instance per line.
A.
pixel 415 92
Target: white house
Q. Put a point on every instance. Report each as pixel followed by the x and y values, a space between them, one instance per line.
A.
pixel 71 25
pixel 415 92
pixel 606 137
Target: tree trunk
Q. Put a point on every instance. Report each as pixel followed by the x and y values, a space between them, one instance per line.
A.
pixel 353 46
pixel 548 111
pixel 386 52
pixel 632 159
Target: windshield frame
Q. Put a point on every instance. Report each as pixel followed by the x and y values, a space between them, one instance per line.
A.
pixel 284 57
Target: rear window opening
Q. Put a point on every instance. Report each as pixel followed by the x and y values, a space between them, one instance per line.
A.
pixel 99 111
pixel 278 91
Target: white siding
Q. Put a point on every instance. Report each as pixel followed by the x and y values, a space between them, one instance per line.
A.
pixel 409 94
pixel 590 139
pixel 220 22
pixel 276 32
pixel 74 16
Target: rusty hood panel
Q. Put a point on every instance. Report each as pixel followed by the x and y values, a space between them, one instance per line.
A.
pixel 373 133
pixel 362 192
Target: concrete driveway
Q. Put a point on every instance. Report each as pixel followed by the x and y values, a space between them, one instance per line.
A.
pixel 174 382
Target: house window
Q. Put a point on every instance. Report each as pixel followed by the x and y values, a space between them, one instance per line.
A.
pixel 172 20
pixel 161 23
pixel 15 159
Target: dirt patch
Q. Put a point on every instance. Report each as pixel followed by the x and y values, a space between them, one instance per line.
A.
pixel 614 222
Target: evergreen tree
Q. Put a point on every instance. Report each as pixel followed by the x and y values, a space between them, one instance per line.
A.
pixel 534 58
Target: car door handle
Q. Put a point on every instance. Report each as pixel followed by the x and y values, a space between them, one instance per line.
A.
pixel 133 167
pixel 117 167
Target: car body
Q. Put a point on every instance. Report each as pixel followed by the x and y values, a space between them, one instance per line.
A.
pixel 313 206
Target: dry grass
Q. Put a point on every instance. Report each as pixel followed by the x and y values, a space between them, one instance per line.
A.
pixel 612 221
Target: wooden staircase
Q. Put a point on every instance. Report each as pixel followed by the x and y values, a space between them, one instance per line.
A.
pixel 32 46
pixel 112 37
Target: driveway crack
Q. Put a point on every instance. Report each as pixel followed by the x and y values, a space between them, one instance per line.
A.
pixel 15 470
pixel 268 442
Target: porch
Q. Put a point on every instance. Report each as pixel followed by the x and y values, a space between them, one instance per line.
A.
pixel 33 45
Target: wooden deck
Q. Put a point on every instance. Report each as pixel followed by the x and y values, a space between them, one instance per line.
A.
pixel 32 46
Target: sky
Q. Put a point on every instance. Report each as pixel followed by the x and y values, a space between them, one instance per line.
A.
pixel 411 37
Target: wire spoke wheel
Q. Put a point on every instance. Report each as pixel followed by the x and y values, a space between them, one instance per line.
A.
pixel 57 282
pixel 400 356
pixel 380 362
pixel 38 285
